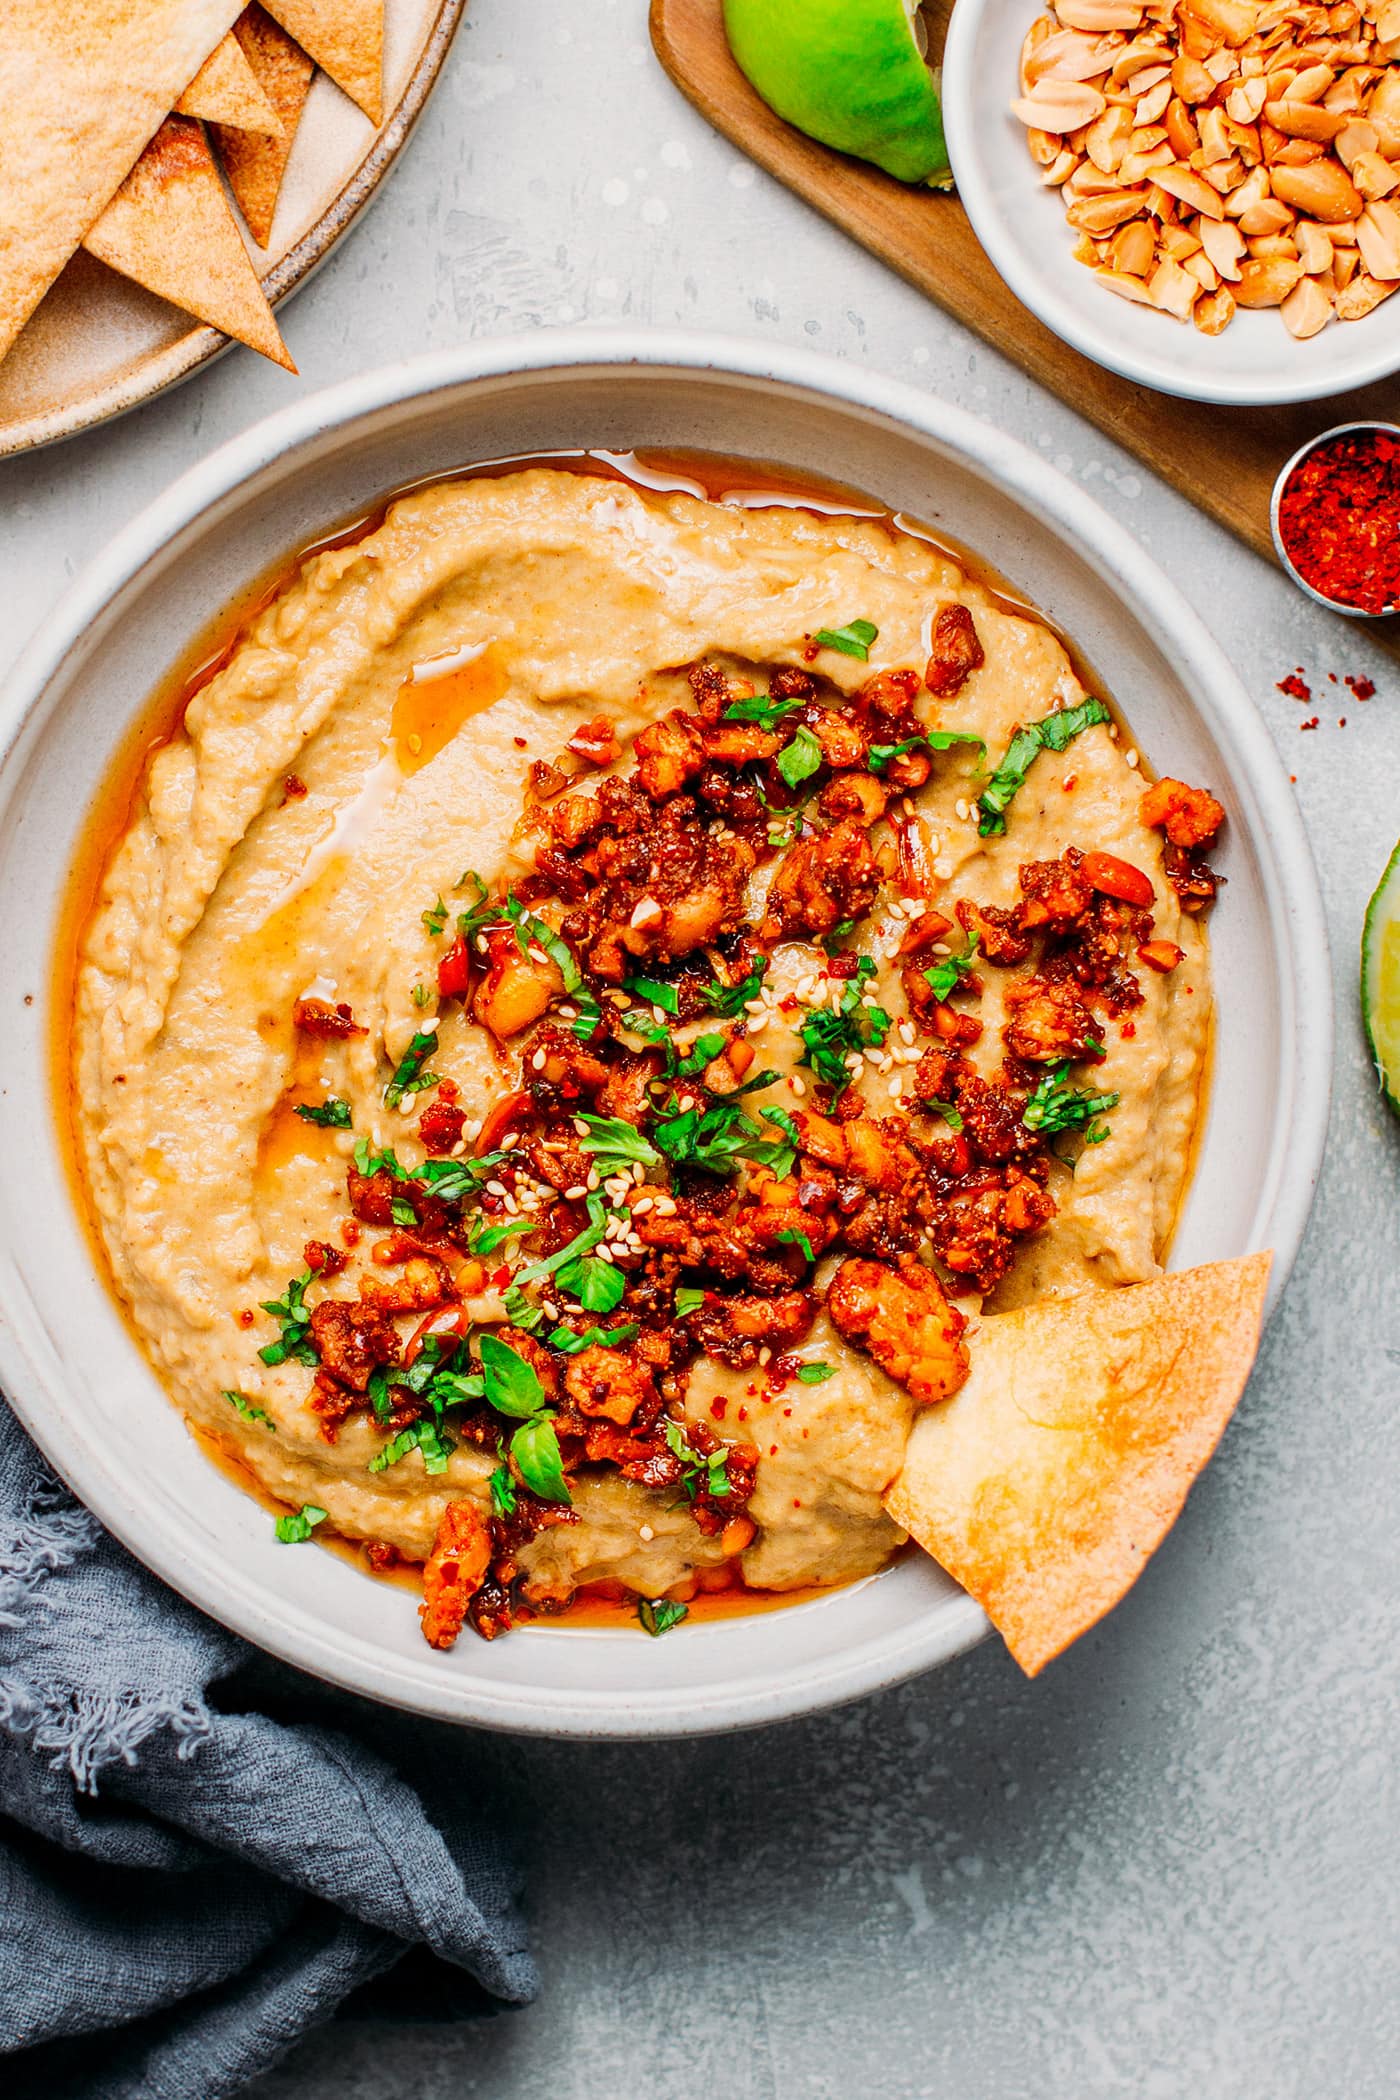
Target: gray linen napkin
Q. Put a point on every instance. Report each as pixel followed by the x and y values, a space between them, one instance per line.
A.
pixel 195 1868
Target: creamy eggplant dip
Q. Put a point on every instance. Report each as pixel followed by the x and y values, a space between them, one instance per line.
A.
pixel 598 998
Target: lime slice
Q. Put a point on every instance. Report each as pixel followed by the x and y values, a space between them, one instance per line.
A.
pixel 1380 978
pixel 851 73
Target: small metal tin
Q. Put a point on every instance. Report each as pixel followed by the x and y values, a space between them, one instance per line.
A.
pixel 1350 612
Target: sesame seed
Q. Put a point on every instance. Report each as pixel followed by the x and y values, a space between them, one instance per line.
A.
pixel 798 1086
pixel 941 948
pixel 568 1013
pixel 869 999
pixel 639 1173
pixel 459 1149
pixel 431 1025
pixel 1113 732
pixel 896 1089
pixel 641 1207
pixel 576 1194
pixel 510 1141
pixel 512 1206
pixel 961 808
pixel 855 1062
pixel 906 1031
pixel 1130 759
pixel 481 944
pixel 408 1107
pixel 765 1355
pixel 943 869
pixel 753 1006
pixel 495 1188
pixel 935 841
pixel 665 1208
pixel 603 1251
pixel 646 1534
pixel 658 1014
pixel 592 1182
pixel 537 1061
pixel 580 1126
pixel 914 907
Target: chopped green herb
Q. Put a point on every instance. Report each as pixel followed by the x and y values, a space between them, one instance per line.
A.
pixel 702 1052
pixel 570 1344
pixel 290 1310
pixel 409 1076
pixel 296 1528
pixel 853 639
pixel 948 1112
pixel 799 760
pixel 731 999
pixel 535 1449
pixel 402 1212
pixel 879 755
pixel 800 1241
pixel 704 1473
pixel 530 929
pixel 659 1614
pixel 496 1235
pixel 947 974
pixel 596 1284
pixel 614 1143
pixel 450 1180
pixel 654 993
pixel 1051 733
pixel 831 1035
pixel 330 1114
pixel 587 1020
pixel 481 912
pixel 762 709
pixel 250 1413
pixel 512 1388
pixel 424 1436
pixel 420 995
pixel 582 1243
pixel 718 1138
pixel 815 1374
pixel 520 1312
pixel 1055 1105
pixel 503 1492
pixel 688 1300
pixel 838 933
pixel 435 917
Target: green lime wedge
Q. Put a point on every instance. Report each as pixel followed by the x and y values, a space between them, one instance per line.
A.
pixel 851 73
pixel 1380 978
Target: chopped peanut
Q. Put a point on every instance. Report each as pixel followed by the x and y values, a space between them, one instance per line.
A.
pixel 1224 153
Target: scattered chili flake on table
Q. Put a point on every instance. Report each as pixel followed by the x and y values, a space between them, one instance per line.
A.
pixel 1360 688
pixel 1294 685
pixel 1339 518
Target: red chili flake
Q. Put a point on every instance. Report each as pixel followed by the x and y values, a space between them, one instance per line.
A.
pixel 520 743
pixel 1339 518
pixel 1332 676
pixel 1341 721
pixel 1129 1029
pixel 772 1450
pixel 245 1318
pixel 1294 687
pixel 743 1414
pixel 501 1278
pixel 719 1405
pixel 1312 724
pixel 1360 688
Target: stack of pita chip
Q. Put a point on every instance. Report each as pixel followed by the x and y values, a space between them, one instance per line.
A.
pixel 115 117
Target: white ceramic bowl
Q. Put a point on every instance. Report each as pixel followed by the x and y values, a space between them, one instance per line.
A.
pixel 66 1359
pixel 1022 227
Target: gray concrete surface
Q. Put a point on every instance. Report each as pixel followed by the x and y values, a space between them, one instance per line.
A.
pixel 1169 1870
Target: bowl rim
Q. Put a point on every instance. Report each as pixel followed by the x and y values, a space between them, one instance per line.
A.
pixel 293 1631
pixel 968 160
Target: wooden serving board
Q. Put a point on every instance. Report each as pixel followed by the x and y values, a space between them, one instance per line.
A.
pixel 1224 459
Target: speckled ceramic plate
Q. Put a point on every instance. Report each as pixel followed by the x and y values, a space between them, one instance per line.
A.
pixel 67 1361
pixel 99 344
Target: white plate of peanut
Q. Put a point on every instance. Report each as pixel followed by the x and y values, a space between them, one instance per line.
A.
pixel 1203 195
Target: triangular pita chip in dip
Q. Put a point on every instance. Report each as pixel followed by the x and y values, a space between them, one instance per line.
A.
pixel 346 38
pixel 255 164
pixel 169 227
pixel 1047 1482
pixel 226 90
pixel 82 89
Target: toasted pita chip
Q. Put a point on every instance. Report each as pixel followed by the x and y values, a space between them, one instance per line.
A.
pixel 169 226
pixel 255 166
pixel 226 90
pixel 346 38
pixel 82 89
pixel 1044 1486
